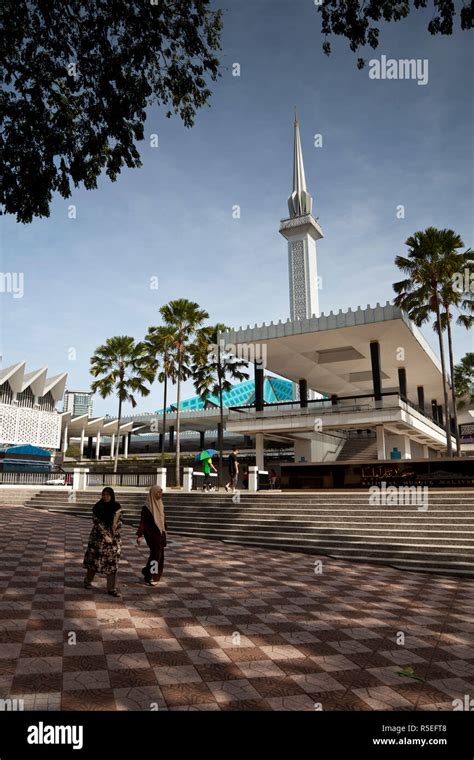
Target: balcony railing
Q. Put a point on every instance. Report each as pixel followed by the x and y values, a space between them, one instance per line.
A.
pixel 335 405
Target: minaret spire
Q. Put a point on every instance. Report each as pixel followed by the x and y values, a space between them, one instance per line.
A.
pixel 300 201
pixel 302 231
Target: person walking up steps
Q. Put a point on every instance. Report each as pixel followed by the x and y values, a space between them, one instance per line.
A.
pixel 233 469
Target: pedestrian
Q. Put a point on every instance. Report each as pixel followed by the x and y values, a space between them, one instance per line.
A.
pixel 207 466
pixel 233 469
pixel 105 545
pixel 273 478
pixel 153 527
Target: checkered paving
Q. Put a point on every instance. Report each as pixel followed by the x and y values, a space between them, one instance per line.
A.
pixel 228 628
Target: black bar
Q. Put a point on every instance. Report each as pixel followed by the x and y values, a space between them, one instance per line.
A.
pixel 402 382
pixel 440 415
pixel 259 401
pixel 376 375
pixel 421 398
pixel 434 410
pixel 303 393
pixel 334 399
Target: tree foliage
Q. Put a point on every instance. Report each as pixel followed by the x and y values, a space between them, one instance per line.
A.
pixel 79 76
pixel 359 20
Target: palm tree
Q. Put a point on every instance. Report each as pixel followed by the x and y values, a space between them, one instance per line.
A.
pixel 182 318
pixel 123 367
pixel 420 294
pixel 453 295
pixel 464 380
pixel 159 341
pixel 213 368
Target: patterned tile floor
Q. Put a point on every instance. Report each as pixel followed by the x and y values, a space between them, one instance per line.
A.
pixel 228 628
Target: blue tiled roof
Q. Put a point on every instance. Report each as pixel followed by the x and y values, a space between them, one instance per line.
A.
pixel 274 389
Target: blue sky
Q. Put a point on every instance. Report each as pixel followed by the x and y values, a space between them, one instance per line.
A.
pixel 385 143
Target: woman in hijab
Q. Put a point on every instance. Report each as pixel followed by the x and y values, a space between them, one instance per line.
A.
pixel 105 545
pixel 153 527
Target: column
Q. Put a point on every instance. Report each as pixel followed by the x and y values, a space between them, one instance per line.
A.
pixel 440 415
pixel 376 371
pixel 303 393
pixel 97 446
pixel 202 439
pixel 81 445
pixel 90 446
pixel 112 445
pixel 161 477
pixel 402 383
pixel 426 452
pixel 380 435
pixel 421 398
pixel 64 444
pixel 405 447
pixel 126 440
pixel 160 441
pixel 171 438
pixel 258 387
pixel 434 409
pixel 259 451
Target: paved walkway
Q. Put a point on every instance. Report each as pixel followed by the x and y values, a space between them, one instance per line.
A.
pixel 229 628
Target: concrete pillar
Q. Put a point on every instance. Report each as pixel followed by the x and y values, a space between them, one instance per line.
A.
pixel 90 446
pixel 81 445
pixel 253 479
pixel 97 446
pixel 259 451
pixel 161 477
pixel 405 447
pixel 258 387
pixel 426 452
pixel 202 440
pixel 187 479
pixel 303 393
pixel 380 435
pixel 64 442
pixel 126 439
pixel 112 445
pixel 79 478
pixel 376 370
pixel 171 438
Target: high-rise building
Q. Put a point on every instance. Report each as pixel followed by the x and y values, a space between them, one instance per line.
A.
pixel 78 402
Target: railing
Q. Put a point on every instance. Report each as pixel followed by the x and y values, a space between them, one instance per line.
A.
pixel 27 478
pixel 131 479
pixel 334 405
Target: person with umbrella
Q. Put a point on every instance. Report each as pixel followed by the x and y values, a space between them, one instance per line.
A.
pixel 206 458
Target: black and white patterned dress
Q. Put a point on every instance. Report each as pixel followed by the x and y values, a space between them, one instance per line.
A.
pixel 101 556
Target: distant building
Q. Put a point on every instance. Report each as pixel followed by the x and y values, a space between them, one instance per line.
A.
pixel 78 403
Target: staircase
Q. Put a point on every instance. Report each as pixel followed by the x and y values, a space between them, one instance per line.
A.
pixel 358 450
pixel 12 497
pixel 341 524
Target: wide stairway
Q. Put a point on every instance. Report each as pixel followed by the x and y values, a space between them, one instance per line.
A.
pixel 358 450
pixel 340 524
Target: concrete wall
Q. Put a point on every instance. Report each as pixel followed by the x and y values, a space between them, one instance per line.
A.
pixel 319 448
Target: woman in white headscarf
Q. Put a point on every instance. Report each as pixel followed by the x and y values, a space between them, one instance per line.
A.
pixel 153 528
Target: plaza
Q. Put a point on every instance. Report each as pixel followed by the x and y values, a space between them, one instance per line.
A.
pixel 225 630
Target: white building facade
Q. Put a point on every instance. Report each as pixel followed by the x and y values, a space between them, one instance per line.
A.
pixel 28 413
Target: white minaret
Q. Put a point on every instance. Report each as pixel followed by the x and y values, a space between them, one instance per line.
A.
pixel 301 230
